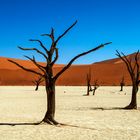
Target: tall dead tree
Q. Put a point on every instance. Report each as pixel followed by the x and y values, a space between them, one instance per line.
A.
pixel 96 85
pixel 89 88
pixel 122 83
pixel 38 82
pixel 47 71
pixel 133 68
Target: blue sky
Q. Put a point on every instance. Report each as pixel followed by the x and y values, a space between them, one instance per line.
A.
pixel 99 21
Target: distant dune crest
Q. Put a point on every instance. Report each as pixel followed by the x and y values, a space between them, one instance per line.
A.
pixel 108 72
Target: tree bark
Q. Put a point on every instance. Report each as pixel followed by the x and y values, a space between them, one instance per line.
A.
pixel 133 103
pixel 134 72
pixel 122 84
pixel 49 116
pixel 36 87
pixel 121 88
pixel 88 89
pixel 94 91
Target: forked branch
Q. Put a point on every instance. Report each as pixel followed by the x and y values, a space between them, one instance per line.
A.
pixel 38 81
pixel 54 42
pixel 124 59
pixel 65 32
pixel 56 56
pixel 51 35
pixel 41 44
pixel 35 63
pixel 133 69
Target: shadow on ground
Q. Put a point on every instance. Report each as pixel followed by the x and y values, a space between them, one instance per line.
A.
pixel 40 123
pixel 112 108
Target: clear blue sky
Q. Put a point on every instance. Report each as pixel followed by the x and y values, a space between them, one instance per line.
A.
pixel 99 21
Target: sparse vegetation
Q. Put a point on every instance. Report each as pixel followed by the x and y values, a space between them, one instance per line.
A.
pixel 89 85
pixel 47 71
pixel 133 68
pixel 96 85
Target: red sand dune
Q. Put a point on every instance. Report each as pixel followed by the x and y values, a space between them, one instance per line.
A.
pixel 107 72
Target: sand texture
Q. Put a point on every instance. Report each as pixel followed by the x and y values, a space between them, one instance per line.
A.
pixel 109 72
pixel 87 117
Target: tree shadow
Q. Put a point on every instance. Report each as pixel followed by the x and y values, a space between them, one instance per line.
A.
pixel 107 108
pixel 76 126
pixel 40 123
pixel 13 124
pixel 112 108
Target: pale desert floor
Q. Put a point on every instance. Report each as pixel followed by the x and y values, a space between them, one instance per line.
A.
pixel 87 117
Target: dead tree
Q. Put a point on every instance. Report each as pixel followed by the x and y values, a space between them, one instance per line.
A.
pixel 122 84
pixel 89 88
pixel 95 86
pixel 47 71
pixel 134 72
pixel 38 82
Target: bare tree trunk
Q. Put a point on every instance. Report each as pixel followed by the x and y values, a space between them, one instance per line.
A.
pixel 133 103
pixel 50 91
pixel 88 88
pixel 122 84
pixel 94 91
pixel 121 88
pixel 46 72
pixel 36 87
pixel 95 86
pixel 134 72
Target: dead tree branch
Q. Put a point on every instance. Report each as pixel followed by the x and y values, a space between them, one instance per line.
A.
pixel 76 57
pixel 48 75
pixel 26 69
pixel 134 72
